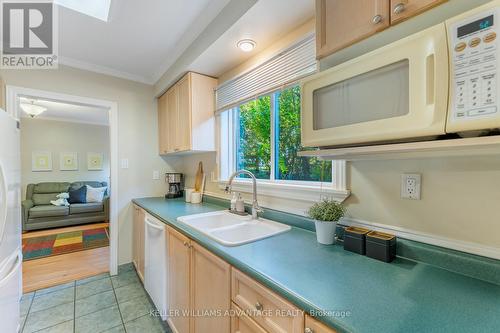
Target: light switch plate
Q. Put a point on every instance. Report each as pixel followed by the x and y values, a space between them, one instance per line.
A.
pixel 410 186
pixel 124 163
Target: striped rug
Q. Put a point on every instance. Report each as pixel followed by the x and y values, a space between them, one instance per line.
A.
pixel 64 242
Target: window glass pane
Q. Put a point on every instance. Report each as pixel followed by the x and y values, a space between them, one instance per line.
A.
pixel 254 141
pixel 289 166
pixel 346 102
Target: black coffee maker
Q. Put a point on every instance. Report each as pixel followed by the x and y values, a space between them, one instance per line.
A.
pixel 175 185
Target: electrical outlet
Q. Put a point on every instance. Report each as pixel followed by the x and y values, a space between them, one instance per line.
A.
pixel 156 175
pixel 410 186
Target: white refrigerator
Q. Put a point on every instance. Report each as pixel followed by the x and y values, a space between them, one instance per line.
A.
pixel 10 224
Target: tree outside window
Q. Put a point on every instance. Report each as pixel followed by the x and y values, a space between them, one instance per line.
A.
pixel 268 139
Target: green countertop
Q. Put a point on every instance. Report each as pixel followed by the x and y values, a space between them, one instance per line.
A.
pixel 354 293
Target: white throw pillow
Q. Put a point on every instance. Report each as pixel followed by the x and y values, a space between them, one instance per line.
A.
pixel 95 194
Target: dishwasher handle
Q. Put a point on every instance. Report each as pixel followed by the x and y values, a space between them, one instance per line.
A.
pixel 153 225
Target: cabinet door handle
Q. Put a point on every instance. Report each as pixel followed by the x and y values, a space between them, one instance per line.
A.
pixel 308 330
pixel 186 244
pixel 399 8
pixel 259 306
pixel 377 19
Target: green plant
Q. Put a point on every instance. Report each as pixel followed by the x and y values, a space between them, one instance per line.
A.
pixel 327 210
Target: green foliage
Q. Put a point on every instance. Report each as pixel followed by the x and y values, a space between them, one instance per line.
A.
pixel 291 166
pixel 254 146
pixel 254 153
pixel 327 210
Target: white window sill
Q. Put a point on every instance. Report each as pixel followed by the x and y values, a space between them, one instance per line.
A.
pixel 294 191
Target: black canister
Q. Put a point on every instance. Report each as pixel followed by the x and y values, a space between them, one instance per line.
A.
pixel 381 246
pixel 354 239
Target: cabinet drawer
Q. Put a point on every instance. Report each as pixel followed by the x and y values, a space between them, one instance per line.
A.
pixel 314 326
pixel 241 323
pixel 269 310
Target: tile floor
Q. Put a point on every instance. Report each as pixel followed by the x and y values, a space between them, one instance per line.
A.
pixel 96 304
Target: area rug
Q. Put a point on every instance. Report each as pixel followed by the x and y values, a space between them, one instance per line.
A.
pixel 64 242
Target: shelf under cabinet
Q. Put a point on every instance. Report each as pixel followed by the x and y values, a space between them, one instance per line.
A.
pixel 477 146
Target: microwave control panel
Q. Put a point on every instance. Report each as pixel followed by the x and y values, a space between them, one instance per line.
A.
pixel 474 54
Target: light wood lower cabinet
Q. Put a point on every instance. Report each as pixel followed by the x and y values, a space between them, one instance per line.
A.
pixel 207 295
pixel 314 326
pixel 199 287
pixel 270 311
pixel 178 280
pixel 138 241
pixel 241 323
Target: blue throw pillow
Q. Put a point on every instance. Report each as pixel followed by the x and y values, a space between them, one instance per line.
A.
pixel 78 196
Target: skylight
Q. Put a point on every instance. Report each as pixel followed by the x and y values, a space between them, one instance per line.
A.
pixel 95 8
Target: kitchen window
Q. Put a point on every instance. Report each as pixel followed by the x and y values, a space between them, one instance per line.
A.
pixel 258 116
pixel 262 135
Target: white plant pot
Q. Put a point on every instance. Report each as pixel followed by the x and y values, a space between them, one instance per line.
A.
pixel 325 232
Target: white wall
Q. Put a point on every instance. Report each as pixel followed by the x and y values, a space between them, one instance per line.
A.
pixel 137 132
pixel 58 137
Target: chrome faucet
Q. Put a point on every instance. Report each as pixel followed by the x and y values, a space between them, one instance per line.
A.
pixel 255 205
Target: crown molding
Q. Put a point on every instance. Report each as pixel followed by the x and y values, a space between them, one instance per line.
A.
pixel 70 62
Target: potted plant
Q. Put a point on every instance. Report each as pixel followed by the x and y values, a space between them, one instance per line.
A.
pixel 326 214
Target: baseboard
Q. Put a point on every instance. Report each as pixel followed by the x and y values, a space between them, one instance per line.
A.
pixel 468 247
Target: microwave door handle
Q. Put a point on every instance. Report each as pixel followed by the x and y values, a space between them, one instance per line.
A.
pixel 430 77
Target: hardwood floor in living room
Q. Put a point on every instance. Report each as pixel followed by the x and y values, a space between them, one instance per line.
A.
pixel 53 270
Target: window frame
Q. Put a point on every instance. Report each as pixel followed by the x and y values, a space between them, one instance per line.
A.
pixel 296 189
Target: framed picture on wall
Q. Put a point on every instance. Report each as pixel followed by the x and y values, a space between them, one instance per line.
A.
pixel 95 161
pixel 68 161
pixel 41 161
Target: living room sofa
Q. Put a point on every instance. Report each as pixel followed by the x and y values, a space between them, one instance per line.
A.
pixel 39 213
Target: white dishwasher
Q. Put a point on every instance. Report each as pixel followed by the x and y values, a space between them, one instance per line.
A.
pixel 155 263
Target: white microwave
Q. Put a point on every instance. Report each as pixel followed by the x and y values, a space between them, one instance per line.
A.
pixel 438 81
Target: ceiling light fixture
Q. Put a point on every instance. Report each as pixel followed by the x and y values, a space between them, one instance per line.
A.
pixel 32 109
pixel 246 45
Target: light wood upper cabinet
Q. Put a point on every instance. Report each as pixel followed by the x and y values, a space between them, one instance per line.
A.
pixel 172 120
pixel 184 130
pixel 189 125
pixel 162 123
pixel 138 241
pixel 314 326
pixel 179 253
pixel 340 23
pixel 404 9
pixel 210 291
pixel 198 281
